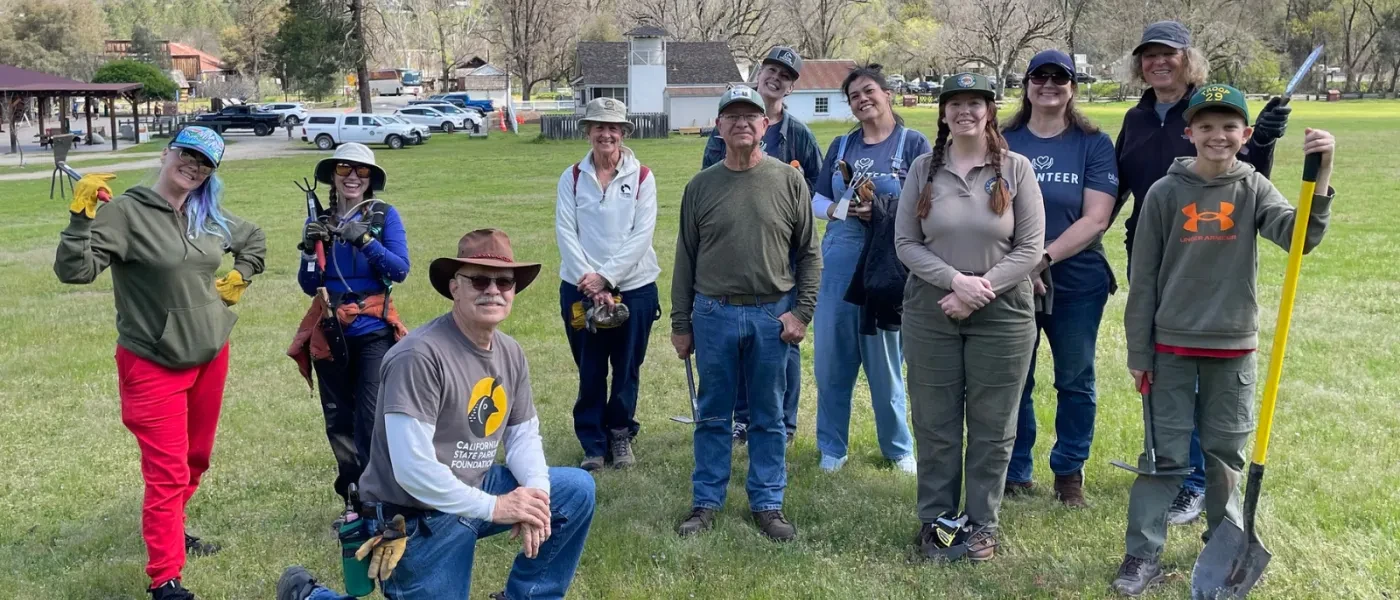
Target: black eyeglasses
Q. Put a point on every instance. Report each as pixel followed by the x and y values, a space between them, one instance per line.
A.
pixel 482 283
pixel 344 169
pixel 190 157
pixel 1040 77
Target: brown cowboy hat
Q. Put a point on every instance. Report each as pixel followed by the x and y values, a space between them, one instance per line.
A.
pixel 485 247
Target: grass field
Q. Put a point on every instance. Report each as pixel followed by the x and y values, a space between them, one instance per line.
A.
pixel 1330 513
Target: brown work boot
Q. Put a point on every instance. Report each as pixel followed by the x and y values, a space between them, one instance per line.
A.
pixel 1070 490
pixel 591 463
pixel 982 546
pixel 1018 489
pixel 698 520
pixel 621 449
pixel 774 525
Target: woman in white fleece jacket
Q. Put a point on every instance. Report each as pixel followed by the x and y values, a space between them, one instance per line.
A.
pixel 604 220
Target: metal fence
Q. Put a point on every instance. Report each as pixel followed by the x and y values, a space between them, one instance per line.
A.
pixel 565 127
pixel 544 105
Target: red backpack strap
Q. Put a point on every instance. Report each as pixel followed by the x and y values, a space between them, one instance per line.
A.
pixel 645 173
pixel 576 173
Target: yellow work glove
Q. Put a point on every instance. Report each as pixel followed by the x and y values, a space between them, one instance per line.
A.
pixel 231 287
pixel 87 191
pixel 387 548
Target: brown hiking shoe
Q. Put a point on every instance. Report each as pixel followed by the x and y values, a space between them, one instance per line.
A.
pixel 1018 489
pixel 621 449
pixel 698 520
pixel 982 546
pixel 1070 490
pixel 591 463
pixel 774 525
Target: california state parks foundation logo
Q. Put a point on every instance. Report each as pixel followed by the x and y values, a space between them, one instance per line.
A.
pixel 488 407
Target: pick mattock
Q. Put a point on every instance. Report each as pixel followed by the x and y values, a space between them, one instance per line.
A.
pixel 694 418
pixel 1233 560
pixel 1149 443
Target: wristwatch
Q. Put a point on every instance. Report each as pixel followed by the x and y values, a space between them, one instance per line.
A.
pixel 1045 258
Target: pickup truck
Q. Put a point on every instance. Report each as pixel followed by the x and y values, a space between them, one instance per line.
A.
pixel 240 117
pixel 464 100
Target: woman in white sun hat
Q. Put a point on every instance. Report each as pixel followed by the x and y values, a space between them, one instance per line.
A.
pixel 366 253
pixel 604 220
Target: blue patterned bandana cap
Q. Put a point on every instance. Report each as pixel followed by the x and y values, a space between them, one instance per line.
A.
pixel 202 140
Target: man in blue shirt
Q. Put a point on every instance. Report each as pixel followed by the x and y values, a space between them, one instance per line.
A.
pixel 787 139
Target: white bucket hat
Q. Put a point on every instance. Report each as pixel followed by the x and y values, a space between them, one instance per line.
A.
pixel 606 110
pixel 351 153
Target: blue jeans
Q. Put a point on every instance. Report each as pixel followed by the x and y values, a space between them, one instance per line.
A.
pixel 596 412
pixel 841 353
pixel 793 392
pixel 1196 481
pixel 1072 328
pixel 735 344
pixel 437 564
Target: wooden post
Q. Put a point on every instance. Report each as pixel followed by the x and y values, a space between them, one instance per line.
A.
pixel 87 109
pixel 10 117
pixel 112 114
pixel 63 113
pixel 43 108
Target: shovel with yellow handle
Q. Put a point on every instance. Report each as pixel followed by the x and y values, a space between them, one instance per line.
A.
pixel 1233 560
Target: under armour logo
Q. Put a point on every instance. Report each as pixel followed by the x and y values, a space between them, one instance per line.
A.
pixel 1222 216
pixel 1042 163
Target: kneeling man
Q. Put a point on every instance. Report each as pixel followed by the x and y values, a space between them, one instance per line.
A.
pixel 453 390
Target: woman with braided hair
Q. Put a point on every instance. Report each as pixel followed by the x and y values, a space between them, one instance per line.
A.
pixel 970 227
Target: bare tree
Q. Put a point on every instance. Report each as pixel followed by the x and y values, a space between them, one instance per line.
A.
pixel 821 25
pixel 451 25
pixel 1360 25
pixel 1072 14
pixel 537 38
pixel 996 32
pixel 248 42
pixel 747 26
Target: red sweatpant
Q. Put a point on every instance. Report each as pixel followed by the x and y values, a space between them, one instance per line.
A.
pixel 173 414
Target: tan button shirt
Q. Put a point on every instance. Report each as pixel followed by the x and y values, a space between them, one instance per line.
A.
pixel 962 234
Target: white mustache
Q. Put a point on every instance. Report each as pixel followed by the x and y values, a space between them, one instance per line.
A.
pixel 490 301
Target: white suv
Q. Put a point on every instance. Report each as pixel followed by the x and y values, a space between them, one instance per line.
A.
pixel 432 117
pixel 293 113
pixel 330 130
pixel 420 132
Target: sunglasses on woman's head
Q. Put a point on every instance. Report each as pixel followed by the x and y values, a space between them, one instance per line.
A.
pixel 1041 77
pixel 482 283
pixel 190 157
pixel 344 169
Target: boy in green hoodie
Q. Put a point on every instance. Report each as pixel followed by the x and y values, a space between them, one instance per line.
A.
pixel 1192 315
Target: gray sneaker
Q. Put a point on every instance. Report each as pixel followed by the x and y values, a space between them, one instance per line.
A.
pixel 621 449
pixel 591 463
pixel 1135 575
pixel 1186 507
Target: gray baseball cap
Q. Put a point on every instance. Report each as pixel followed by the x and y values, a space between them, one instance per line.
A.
pixel 786 57
pixel 741 94
pixel 1167 33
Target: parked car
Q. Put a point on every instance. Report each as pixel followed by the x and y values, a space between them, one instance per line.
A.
pixel 420 132
pixel 293 113
pixel 240 117
pixel 330 130
pixel 1085 78
pixel 483 106
pixel 448 123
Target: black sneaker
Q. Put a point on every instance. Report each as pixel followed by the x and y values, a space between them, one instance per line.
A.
pixel 1135 575
pixel 170 590
pixel 774 525
pixel 699 519
pixel 1186 507
pixel 295 584
pixel 621 449
pixel 741 434
pixel 197 547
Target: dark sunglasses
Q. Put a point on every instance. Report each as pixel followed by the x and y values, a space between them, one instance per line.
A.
pixel 482 283
pixel 1040 77
pixel 344 169
pixel 190 157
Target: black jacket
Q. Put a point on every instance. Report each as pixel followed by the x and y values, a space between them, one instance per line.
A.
pixel 877 285
pixel 1147 145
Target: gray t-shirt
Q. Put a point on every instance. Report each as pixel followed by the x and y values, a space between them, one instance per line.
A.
pixel 1162 108
pixel 437 376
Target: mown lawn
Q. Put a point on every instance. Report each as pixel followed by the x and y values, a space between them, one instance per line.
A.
pixel 1331 509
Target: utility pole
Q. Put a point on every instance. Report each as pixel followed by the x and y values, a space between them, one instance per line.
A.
pixel 361 53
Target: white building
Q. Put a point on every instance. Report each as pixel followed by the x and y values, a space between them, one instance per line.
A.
pixel 817 95
pixel 652 74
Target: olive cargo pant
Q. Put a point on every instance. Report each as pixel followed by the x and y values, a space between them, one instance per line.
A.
pixel 972 372
pixel 1224 412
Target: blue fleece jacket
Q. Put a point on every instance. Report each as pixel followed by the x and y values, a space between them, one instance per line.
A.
pixel 353 273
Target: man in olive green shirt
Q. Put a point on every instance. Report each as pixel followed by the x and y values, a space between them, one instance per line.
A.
pixel 744 224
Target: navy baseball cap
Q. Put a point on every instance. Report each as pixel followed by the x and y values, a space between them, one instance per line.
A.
pixel 1051 57
pixel 787 57
pixel 1167 33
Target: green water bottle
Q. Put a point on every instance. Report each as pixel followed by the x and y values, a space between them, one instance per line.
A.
pixel 353 533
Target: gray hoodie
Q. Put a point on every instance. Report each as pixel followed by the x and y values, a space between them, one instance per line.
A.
pixel 1195 259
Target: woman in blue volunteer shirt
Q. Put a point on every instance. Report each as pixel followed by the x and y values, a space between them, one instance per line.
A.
pixel 860 232
pixel 366 252
pixel 1078 176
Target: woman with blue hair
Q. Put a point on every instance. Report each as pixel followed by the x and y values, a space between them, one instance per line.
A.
pixel 165 244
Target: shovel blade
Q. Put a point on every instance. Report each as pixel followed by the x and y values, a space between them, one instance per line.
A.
pixel 1229 565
